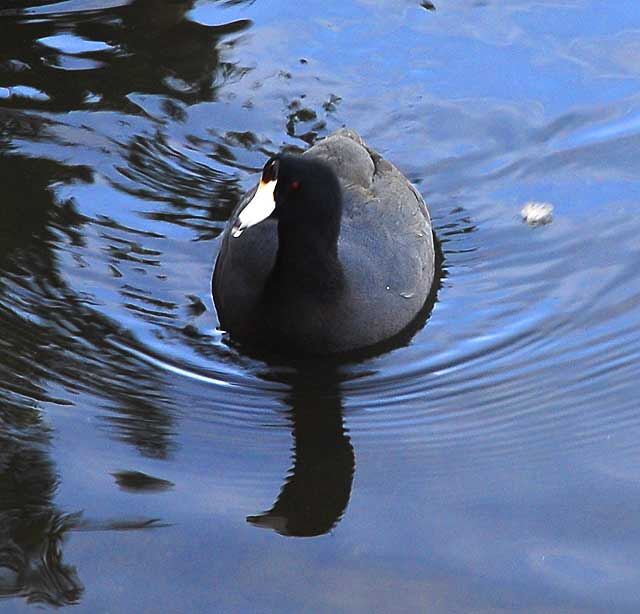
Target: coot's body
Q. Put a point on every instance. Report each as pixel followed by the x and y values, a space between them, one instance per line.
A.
pixel 288 284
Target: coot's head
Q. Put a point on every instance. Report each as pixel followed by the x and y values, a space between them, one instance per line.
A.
pixel 301 192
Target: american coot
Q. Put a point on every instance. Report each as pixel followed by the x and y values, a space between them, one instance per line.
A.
pixel 331 252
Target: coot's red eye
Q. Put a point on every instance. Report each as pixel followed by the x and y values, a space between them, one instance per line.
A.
pixel 295 185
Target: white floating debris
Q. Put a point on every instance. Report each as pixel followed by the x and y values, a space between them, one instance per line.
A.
pixel 536 214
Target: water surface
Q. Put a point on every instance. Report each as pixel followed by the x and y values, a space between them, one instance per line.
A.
pixel 486 462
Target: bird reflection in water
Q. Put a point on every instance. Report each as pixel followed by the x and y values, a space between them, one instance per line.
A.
pixel 318 487
pixel 317 490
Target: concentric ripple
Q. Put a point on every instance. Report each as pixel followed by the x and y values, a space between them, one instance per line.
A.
pixel 533 343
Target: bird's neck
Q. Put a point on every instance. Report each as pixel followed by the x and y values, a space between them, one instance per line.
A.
pixel 307 261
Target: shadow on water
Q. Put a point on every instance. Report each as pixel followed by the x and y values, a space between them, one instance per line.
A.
pixel 96 58
pixel 317 488
pixel 51 333
pixel 32 529
pixel 48 333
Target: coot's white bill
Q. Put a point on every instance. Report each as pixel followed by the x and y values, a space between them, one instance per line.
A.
pixel 259 208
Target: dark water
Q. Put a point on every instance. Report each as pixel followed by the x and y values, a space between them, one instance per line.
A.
pixel 491 463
